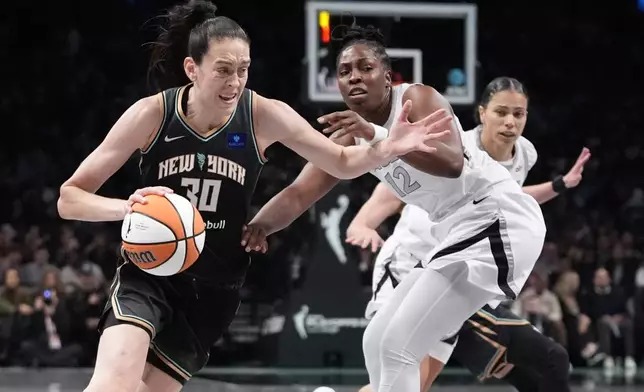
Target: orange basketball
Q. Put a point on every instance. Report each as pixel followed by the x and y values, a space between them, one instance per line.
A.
pixel 164 236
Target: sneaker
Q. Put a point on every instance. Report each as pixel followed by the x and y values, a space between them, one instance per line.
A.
pixel 609 367
pixel 630 368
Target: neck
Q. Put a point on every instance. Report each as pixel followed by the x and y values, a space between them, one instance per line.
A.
pixel 202 117
pixel 498 152
pixel 380 114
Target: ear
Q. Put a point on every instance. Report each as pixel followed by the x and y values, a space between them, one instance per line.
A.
pixel 190 68
pixel 481 113
pixel 388 78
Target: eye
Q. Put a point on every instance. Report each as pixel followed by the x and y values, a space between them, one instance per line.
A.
pixel 343 72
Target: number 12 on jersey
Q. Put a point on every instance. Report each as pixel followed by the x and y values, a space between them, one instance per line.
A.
pixel 202 193
pixel 408 186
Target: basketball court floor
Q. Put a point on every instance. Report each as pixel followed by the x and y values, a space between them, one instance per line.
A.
pixel 265 380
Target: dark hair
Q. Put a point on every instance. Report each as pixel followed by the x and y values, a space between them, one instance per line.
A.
pixel 188 30
pixel 497 85
pixel 369 36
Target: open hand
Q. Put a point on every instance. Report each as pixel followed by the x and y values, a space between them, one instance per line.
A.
pixel 405 136
pixel 574 176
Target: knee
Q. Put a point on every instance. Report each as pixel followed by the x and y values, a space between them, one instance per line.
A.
pixel 371 344
pixel 394 345
pixel 559 362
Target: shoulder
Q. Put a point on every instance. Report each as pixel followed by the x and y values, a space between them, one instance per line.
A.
pixel 422 92
pixel 149 108
pixel 529 151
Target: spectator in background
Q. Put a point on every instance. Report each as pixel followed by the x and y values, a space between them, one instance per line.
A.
pixel 48 339
pixel 541 307
pixel 15 311
pixel 34 271
pixel 88 302
pixel 606 306
pixel 581 347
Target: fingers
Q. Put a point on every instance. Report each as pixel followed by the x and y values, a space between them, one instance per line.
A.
pixel 425 148
pixel 406 109
pixel 153 190
pixel 136 198
pixel 334 127
pixel 438 122
pixel 440 114
pixel 334 117
pixel 434 136
pixel 581 161
pixel 376 243
pixel 254 239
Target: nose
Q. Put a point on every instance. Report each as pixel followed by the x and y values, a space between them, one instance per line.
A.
pixel 234 81
pixel 509 121
pixel 355 76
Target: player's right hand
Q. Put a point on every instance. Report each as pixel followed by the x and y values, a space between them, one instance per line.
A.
pixel 139 195
pixel 364 237
pixel 254 238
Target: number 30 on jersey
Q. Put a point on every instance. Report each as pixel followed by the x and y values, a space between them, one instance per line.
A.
pixel 202 193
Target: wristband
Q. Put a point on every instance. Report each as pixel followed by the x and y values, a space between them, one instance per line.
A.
pixel 558 185
pixel 379 134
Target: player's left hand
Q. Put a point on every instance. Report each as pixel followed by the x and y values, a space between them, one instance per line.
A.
pixel 347 122
pixel 254 238
pixel 573 177
pixel 405 136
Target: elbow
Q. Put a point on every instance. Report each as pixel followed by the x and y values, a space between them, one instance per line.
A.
pixel 454 167
pixel 63 204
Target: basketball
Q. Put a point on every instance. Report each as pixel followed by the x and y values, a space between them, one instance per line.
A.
pixel 164 236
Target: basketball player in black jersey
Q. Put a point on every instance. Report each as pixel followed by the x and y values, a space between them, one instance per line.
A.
pixel 205 141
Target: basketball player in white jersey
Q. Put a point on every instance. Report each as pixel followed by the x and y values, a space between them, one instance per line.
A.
pixel 489 233
pixel 502 113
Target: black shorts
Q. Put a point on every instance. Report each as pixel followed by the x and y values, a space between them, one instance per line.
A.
pixel 183 316
pixel 484 340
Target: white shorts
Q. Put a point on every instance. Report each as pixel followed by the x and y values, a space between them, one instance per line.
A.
pixel 392 264
pixel 497 240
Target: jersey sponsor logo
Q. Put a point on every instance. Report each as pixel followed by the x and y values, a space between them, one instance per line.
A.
pixel 236 140
pixel 219 225
pixel 307 323
pixel 169 139
pixel 209 163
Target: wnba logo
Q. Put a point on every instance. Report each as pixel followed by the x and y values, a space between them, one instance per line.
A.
pixel 141 257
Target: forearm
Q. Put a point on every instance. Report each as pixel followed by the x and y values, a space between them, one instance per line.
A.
pixel 541 192
pixel 77 204
pixel 355 161
pixel 280 211
pixel 379 207
pixel 294 200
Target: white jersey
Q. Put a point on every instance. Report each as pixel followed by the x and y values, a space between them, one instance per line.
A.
pixel 413 230
pixel 433 202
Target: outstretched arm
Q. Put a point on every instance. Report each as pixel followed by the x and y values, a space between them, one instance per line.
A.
pixel 297 198
pixel 549 190
pixel 381 205
pixel 278 122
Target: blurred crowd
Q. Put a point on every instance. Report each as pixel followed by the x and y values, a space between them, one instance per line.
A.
pixel 82 73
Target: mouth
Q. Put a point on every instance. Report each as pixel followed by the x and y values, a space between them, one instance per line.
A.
pixel 357 91
pixel 509 135
pixel 228 98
